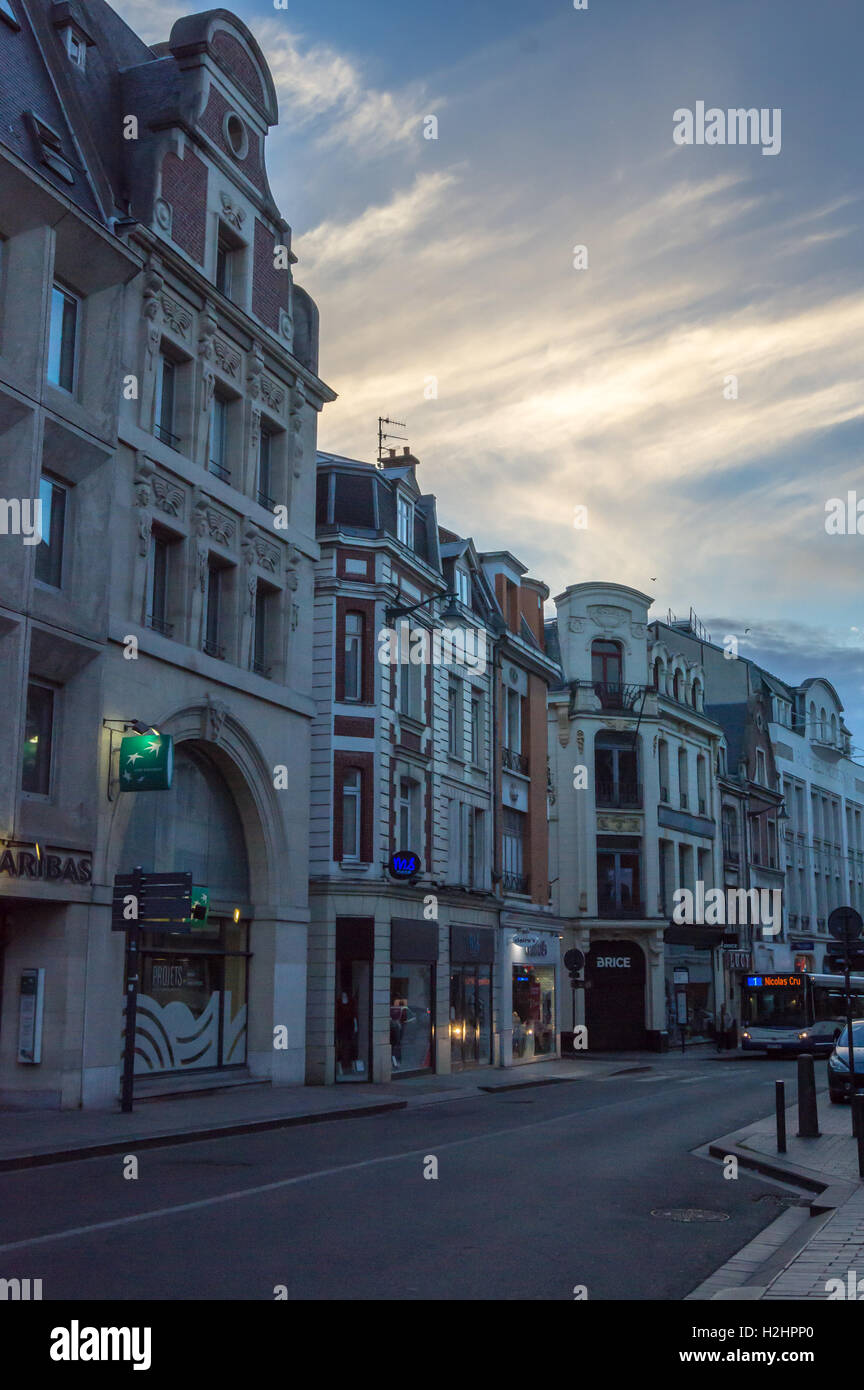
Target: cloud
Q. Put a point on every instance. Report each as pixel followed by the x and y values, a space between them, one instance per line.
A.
pixel 332 247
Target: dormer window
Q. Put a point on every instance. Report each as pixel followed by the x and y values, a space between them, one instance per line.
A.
pixel 405 521
pixel 463 585
pixel 75 47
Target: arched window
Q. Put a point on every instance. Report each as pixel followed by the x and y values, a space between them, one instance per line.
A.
pixel 729 826
pixel 659 683
pixel 823 723
pixel 696 694
pixel 833 728
pixel 606 662
pixel 676 686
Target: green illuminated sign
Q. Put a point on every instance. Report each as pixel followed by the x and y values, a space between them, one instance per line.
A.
pixel 200 909
pixel 146 762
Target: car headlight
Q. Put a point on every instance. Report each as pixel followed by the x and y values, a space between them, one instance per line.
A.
pixel 745 1035
pixel 803 1035
pixel 836 1063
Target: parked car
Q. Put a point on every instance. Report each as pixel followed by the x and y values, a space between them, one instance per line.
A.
pixel 840 1080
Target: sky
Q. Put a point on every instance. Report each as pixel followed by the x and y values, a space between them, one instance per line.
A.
pixel 449 299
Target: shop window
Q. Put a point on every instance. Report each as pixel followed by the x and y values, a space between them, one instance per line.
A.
pixel 533 1011
pixel 411 1016
pixel 49 552
pixel 63 339
pixel 353 656
pixel 38 739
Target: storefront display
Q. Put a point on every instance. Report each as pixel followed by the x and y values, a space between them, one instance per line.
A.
pixel 533 1011
pixel 353 1002
pixel 472 954
pixel 413 954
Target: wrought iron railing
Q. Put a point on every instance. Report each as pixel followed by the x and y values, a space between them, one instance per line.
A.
pixel 516 883
pixel 514 762
pixel 214 649
pixel 159 625
pixel 621 794
pixel 220 470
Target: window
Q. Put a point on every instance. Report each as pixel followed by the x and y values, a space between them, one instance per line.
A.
pixel 454 718
pixel 477 729
pixel 75 47
pixel 761 771
pixel 352 788
pixel 473 842
pixel 605 662
pixel 38 733
pixel 683 777
pixel 513 825
pixel 62 339
pixel 408 813
pixel 701 785
pixel 219 437
pixel 163 415
pixel 514 720
pixel 405 521
pixel 411 688
pixel 264 598
pixel 49 552
pixel 676 686
pixel 265 469
pixel 224 266
pixel 616 776
pixel 663 765
pixel 659 675
pixel 463 586
pixel 157 585
pixel 213 618
pixel 353 656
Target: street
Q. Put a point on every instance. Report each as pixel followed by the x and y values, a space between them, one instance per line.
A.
pixel 540 1190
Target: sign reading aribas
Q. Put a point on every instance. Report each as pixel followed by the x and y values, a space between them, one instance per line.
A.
pixel 146 762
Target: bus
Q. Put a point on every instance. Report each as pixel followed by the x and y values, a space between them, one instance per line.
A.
pixel 796 1013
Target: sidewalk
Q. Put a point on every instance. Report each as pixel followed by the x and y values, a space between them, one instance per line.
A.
pixel 821 1239
pixel 29 1138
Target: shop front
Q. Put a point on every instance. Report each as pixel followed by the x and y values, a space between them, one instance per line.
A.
pixel 472 963
pixel 694 980
pixel 531 964
pixel 413 961
pixel 615 995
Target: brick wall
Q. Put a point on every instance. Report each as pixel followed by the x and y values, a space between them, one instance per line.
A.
pixel 184 186
pixel 271 288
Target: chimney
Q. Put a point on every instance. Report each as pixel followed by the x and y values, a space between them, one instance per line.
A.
pixel 392 453
pixel 406 449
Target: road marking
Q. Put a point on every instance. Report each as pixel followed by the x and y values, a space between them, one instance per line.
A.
pixel 303 1177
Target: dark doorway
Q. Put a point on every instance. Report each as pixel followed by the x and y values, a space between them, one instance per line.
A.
pixel 615 996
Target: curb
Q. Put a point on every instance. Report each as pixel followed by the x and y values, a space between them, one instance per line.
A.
pixel 778 1167
pixel 20 1162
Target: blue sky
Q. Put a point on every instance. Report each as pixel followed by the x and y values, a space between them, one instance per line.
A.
pixel 600 387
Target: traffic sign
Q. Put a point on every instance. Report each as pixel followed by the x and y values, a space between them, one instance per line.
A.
pixel 574 960
pixel 844 923
pixel 163 899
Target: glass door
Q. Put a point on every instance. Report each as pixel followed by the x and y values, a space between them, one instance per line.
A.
pixel 353 1020
pixel 470 1015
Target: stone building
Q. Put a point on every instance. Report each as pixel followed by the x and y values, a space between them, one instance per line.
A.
pixel 159 393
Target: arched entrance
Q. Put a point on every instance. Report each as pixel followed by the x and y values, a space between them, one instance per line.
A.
pixel 615 996
pixel 192 1003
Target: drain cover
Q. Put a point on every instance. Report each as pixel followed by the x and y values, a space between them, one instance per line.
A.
pixel 689 1214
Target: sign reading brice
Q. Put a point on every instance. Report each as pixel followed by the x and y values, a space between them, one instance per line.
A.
pixel 146 762
pixel 32 861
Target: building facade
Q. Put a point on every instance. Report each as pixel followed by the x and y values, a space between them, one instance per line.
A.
pixel 161 389
pixel 415 973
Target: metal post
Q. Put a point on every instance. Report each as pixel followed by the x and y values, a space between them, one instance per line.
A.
pixel 780 1106
pixel 808 1117
pixel 858 1129
pixel 132 941
pixel 847 972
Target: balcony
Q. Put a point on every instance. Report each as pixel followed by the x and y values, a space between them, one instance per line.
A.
pixel 514 762
pixel 220 471
pixel 172 440
pixel 516 883
pixel 623 795
pixel 620 911
pixel 265 501
pixel 618 697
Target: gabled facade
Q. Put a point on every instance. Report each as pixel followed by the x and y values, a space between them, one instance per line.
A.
pixel 174 446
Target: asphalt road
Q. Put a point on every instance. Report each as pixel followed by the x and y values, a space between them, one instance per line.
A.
pixel 539 1190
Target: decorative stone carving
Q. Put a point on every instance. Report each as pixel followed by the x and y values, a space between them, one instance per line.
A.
pixel 220 527
pixel 638 629
pixel 580 741
pixel 179 320
pixel 563 726
pixel 164 215
pixel 152 311
pixel 167 497
pixel 227 358
pixel 216 713
pixel 143 479
pixel 272 395
pixel 231 211
pixel 575 624
pixel 607 615
pixel 620 824
pixel 296 403
pixel 206 354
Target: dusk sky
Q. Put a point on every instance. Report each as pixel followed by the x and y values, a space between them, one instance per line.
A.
pixel 600 387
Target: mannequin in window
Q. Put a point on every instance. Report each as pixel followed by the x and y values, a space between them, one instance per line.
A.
pixel 346 1029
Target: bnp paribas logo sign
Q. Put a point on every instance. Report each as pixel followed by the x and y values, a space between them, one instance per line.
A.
pixel 146 762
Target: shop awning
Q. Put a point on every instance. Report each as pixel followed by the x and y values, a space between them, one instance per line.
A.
pixel 702 938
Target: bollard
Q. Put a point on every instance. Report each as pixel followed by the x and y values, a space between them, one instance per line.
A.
pixel 858 1129
pixel 780 1108
pixel 808 1117
pixel 780 1105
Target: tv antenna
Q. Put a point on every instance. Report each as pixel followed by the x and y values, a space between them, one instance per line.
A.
pixel 385 420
